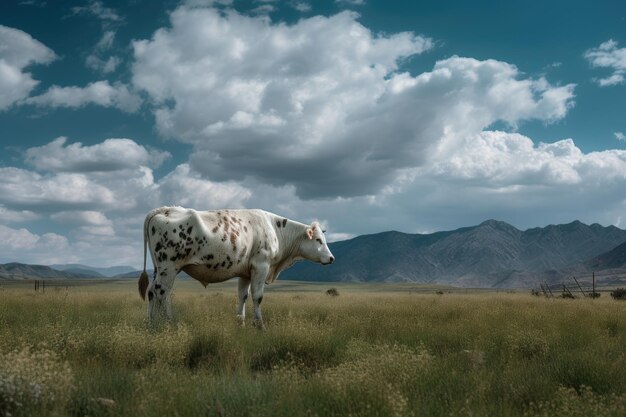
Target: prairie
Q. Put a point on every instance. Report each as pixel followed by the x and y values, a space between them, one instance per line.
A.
pixel 374 350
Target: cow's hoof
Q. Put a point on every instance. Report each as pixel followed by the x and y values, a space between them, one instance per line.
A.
pixel 259 325
pixel 241 321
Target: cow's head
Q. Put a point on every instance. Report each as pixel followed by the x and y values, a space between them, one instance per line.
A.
pixel 314 247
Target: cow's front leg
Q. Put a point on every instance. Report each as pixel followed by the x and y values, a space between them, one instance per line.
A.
pixel 257 286
pixel 242 296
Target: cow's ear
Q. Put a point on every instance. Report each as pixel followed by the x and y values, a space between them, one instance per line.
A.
pixel 309 233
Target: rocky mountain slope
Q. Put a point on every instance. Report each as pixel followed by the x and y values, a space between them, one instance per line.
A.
pixel 492 254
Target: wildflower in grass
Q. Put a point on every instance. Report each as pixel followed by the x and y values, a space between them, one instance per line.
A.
pixel 34 379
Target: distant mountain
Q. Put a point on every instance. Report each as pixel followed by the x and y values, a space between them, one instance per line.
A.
pixel 16 270
pixel 492 254
pixel 613 259
pixel 100 272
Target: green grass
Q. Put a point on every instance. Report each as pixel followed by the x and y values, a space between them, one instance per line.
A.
pixel 374 350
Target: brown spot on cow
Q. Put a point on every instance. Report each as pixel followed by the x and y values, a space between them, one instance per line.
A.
pixel 215 229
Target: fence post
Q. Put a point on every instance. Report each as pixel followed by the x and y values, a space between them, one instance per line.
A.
pixel 593 280
pixel 549 290
pixel 579 287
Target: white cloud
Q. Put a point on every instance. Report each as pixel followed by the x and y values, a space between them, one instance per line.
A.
pixel 99 93
pixel 336 237
pixel 322 102
pixel 608 55
pixel 106 42
pixel 105 66
pixel 248 83
pixel 18 50
pixel 499 159
pixel 110 155
pixel 90 222
pixel 186 188
pixel 206 3
pixel 263 9
pixel 620 136
pixel 26 190
pixel 11 216
pixel 97 9
pixel 86 217
pixel 351 2
pixel 301 6
pixel 14 240
pixel 97 61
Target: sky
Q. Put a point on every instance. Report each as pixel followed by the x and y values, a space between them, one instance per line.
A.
pixel 367 115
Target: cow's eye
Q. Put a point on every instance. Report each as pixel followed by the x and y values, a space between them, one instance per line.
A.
pixel 319 241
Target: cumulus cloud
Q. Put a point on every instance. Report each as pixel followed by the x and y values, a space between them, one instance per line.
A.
pixel 100 93
pixel 90 222
pixel 109 155
pixel 18 50
pixel 23 245
pixel 185 187
pixel 15 240
pixel 26 190
pixel 498 159
pixel 12 216
pixel 114 174
pixel 323 102
pixel 608 55
pixel 620 136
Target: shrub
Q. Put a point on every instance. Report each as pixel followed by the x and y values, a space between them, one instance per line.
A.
pixel 332 292
pixel 619 294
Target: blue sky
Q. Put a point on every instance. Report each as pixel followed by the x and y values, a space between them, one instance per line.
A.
pixel 366 115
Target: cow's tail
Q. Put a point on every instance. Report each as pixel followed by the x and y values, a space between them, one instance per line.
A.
pixel 143 278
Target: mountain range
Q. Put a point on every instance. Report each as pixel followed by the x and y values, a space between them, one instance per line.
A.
pixel 491 254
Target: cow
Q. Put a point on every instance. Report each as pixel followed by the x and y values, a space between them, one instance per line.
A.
pixel 215 246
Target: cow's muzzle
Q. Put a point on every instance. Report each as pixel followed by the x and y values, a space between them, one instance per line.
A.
pixel 330 261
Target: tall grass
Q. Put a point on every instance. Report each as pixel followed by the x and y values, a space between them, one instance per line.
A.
pixel 369 354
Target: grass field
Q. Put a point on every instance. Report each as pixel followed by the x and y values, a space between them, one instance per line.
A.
pixel 375 350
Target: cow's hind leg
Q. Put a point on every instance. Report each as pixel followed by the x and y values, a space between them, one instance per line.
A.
pixel 242 295
pixel 160 291
pixel 257 286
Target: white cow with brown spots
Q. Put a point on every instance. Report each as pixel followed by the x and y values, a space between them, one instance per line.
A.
pixel 214 246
